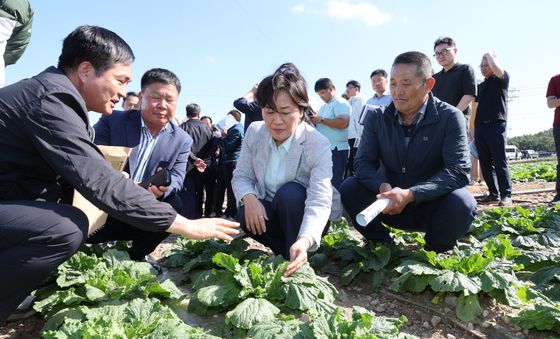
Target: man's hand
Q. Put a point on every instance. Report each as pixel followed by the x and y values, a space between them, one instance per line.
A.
pixel 200 165
pixel 316 119
pixel 398 198
pixel 157 191
pixel 255 214
pixel 201 229
pixel 298 255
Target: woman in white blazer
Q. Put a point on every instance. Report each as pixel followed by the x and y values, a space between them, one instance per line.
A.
pixel 283 174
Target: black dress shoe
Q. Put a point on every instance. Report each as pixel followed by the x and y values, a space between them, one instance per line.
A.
pixel 154 264
pixel 489 198
pixel 24 310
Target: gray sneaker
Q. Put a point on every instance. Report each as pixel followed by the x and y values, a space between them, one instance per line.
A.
pixel 505 201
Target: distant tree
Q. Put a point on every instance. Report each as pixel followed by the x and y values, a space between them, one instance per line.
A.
pixel 540 142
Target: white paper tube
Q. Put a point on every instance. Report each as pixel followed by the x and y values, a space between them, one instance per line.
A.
pixel 368 214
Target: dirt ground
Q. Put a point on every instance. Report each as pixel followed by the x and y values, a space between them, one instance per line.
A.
pixel 425 319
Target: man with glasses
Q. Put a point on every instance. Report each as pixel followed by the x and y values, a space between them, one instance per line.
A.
pixel 490 126
pixel 455 83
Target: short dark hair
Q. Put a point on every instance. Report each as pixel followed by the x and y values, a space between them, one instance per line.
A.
pixel 286 78
pixel 101 47
pixel 207 117
pixel 236 114
pixel 378 71
pixel 193 110
pixel 354 83
pixel 421 60
pixel 160 75
pixel 323 83
pixel 444 40
pixel 131 94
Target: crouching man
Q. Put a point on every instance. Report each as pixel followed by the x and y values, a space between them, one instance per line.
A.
pixel 414 153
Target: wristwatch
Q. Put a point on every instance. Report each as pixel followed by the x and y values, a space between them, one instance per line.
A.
pixel 322 119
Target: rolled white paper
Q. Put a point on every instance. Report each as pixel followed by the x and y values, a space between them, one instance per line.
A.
pixel 367 215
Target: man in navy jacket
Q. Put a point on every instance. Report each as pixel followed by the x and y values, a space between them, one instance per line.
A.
pixel 414 153
pixel 156 143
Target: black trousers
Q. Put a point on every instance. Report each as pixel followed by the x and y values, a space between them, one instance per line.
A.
pixel 231 207
pixel 285 214
pixel 143 242
pixel 219 190
pixel 192 194
pixel 209 187
pixel 352 153
pixel 339 160
pixel 35 238
pixel 445 220
pixel 490 141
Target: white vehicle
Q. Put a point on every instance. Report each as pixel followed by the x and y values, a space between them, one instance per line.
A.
pixel 512 152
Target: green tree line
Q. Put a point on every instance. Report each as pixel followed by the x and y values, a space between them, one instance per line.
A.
pixel 540 142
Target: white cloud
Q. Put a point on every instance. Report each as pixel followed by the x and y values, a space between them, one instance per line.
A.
pixel 369 14
pixel 211 59
pixel 299 8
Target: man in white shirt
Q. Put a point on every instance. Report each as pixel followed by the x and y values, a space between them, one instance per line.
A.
pixel 356 102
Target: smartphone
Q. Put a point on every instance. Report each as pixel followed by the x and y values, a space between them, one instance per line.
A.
pixel 161 178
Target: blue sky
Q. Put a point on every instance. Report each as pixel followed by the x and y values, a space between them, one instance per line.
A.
pixel 220 48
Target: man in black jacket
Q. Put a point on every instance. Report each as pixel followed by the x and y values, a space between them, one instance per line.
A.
pixel 46 151
pixel 199 159
pixel 248 106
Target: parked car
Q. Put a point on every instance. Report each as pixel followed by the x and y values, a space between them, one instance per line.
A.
pixel 545 154
pixel 529 154
pixel 512 152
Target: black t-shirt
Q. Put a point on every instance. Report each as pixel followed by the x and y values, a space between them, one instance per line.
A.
pixel 452 85
pixel 492 100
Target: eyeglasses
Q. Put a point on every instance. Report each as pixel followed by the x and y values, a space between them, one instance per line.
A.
pixel 443 52
pixel 483 66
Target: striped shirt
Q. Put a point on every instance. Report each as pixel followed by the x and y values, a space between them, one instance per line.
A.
pixel 145 149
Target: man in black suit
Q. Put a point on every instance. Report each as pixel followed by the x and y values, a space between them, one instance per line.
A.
pixel 46 151
pixel 199 159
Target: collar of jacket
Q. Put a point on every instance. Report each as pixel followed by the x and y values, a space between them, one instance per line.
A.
pixel 54 80
pixel 136 116
pixel 431 115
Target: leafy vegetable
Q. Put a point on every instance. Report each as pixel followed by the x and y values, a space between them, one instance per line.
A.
pixel 254 285
pixel 133 319
pixel 91 280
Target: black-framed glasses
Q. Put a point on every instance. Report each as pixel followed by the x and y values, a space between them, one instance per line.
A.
pixel 443 52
